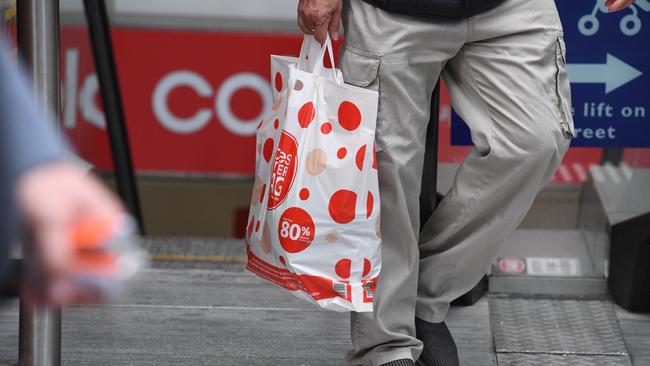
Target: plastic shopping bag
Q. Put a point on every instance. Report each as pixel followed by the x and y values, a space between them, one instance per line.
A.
pixel 313 226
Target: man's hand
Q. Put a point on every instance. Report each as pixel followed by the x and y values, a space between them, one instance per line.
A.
pixel 616 5
pixel 318 17
pixel 52 198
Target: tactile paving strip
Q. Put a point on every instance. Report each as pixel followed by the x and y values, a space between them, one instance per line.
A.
pixel 560 327
pixel 532 359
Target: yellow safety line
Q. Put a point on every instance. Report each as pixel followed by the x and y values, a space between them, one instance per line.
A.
pixel 198 258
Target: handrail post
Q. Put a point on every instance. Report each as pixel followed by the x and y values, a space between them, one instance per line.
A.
pixel 38 44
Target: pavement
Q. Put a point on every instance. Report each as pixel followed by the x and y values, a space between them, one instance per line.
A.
pixel 175 314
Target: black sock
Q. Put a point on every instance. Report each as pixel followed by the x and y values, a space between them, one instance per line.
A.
pixel 439 346
pixel 402 362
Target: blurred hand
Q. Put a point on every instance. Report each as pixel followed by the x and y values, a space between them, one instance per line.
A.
pixel 52 198
pixel 318 17
pixel 616 5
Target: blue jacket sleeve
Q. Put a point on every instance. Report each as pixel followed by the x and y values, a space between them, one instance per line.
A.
pixel 27 139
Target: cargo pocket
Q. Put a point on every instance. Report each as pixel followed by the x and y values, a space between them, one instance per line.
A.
pixel 361 69
pixel 563 89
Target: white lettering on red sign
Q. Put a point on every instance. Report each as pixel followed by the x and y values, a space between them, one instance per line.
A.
pixel 89 89
pixel 160 99
pixel 201 86
pixel 228 88
pixel 284 170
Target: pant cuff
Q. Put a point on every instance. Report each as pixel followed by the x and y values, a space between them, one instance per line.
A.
pixel 387 357
pixel 435 314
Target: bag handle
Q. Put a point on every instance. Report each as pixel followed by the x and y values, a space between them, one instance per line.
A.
pixel 307 48
pixel 315 65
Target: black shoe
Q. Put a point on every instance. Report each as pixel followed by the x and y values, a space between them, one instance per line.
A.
pixel 439 346
pixel 402 362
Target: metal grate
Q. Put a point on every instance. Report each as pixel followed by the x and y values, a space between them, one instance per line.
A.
pixel 537 329
pixel 532 359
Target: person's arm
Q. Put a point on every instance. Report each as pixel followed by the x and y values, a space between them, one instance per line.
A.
pixel 25 142
pixel 616 5
pixel 27 138
pixel 40 184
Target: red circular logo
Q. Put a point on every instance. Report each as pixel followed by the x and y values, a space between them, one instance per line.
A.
pixel 296 230
pixel 512 265
pixel 284 170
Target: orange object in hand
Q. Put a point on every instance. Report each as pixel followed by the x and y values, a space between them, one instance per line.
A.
pixel 91 234
pixel 105 252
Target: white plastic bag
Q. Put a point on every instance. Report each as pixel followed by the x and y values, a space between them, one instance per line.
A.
pixel 313 226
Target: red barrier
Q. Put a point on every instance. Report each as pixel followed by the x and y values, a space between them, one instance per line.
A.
pixel 193 99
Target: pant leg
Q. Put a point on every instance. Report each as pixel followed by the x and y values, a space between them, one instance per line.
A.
pixel 509 84
pixel 401 58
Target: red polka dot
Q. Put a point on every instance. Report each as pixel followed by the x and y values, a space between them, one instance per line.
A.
pixel 268 149
pixel 250 227
pixel 374 157
pixel 326 128
pixel 276 123
pixel 257 226
pixel 306 114
pixel 278 81
pixel 304 194
pixel 282 260
pixel 342 152
pixel 342 268
pixel 342 206
pixel 349 116
pixel 262 193
pixel 369 204
pixel 366 267
pixel 260 124
pixel 361 155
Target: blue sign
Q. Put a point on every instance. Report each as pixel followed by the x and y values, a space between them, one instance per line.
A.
pixel 608 60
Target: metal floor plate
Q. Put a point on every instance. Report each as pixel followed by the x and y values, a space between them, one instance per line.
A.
pixel 555 327
pixel 532 359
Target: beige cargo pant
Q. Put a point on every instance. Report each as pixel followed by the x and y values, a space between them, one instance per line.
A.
pixel 505 71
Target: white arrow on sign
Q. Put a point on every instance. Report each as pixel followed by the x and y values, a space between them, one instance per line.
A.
pixel 614 73
pixel 643 4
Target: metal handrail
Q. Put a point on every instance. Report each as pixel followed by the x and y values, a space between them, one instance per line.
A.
pixel 38 44
pixel 100 36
